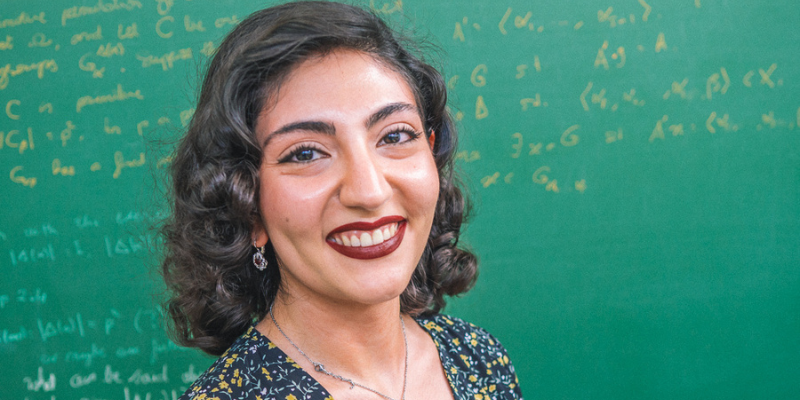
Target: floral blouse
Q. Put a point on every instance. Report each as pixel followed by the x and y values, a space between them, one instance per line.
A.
pixel 475 363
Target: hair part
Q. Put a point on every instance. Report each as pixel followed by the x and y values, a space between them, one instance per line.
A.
pixel 216 292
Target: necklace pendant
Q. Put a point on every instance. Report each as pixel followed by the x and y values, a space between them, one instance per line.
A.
pixel 319 368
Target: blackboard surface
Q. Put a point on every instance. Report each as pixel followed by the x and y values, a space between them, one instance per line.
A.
pixel 635 167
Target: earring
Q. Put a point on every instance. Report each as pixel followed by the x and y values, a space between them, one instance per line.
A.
pixel 258 258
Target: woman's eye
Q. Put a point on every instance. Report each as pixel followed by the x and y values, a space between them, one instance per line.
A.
pixel 302 155
pixel 393 137
pixel 399 136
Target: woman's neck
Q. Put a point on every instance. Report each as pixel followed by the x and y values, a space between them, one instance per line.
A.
pixel 361 342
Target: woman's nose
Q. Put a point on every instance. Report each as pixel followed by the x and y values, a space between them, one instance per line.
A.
pixel 364 184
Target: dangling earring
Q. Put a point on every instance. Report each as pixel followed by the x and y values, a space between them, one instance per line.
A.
pixel 258 258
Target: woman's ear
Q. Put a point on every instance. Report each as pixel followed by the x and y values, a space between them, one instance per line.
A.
pixel 432 139
pixel 259 233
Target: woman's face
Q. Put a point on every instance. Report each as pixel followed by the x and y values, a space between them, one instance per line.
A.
pixel 348 180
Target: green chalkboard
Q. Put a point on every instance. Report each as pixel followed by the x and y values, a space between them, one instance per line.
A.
pixel 634 165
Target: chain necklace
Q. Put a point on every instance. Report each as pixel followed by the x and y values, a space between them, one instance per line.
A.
pixel 321 368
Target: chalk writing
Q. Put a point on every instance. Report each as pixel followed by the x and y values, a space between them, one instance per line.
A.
pixel 66 134
pixel 478 77
pixel 192 26
pixel 159 31
pixel 72 326
pixel 89 66
pixel 111 129
pixel 580 185
pixel 208 49
pixel 108 50
pixel 481 111
pixel 127 246
pixel 21 145
pixel 115 5
pixel 23 19
pixel 677 89
pixel 120 163
pixel 388 7
pixel 40 382
pixel 40 40
pixel 713 84
pixel 86 357
pixel 40 67
pixel 77 380
pixel 602 60
pixel 16 177
pixel 11 103
pixel 10 337
pixel 80 37
pixel 167 60
pixel 164 6
pixel 614 136
pixel 186 116
pixel 7 44
pixel 118 95
pixel 468 156
pixel 661 43
pixel 222 21
pixel 63 170
pixel 129 32
pixel 144 378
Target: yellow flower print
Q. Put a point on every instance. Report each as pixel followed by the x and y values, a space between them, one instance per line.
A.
pixel 456 342
pixel 512 386
pixel 449 322
pixel 492 388
pixel 223 385
pixel 432 326
pixel 291 397
pixel 271 345
pixel 465 359
pixel 488 372
pixel 453 370
pixel 202 396
pixel 473 342
pixel 329 398
pixel 473 378
pixel 478 396
pixel 230 360
pixel 266 373
pixel 236 373
pixel 491 342
pixel 293 362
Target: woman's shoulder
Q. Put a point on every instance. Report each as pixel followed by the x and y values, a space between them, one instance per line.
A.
pixel 472 357
pixel 253 367
pixel 459 331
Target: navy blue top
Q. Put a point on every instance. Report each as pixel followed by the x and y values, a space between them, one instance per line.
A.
pixel 475 363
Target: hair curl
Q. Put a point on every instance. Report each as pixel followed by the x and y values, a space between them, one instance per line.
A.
pixel 215 291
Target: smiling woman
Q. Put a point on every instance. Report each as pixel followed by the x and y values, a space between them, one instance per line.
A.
pixel 316 220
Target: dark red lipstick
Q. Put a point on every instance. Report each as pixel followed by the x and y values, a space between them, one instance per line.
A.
pixel 370 252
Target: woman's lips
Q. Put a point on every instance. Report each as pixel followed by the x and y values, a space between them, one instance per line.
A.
pixel 364 240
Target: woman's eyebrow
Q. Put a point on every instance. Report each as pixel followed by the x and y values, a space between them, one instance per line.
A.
pixel 387 111
pixel 311 126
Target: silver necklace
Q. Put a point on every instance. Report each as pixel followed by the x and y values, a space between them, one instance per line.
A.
pixel 321 368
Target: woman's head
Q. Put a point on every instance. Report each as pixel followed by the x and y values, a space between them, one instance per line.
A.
pixel 217 169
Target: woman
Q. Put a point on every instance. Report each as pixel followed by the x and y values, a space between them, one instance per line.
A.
pixel 316 219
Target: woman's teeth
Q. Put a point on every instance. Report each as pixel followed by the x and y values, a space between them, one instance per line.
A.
pixel 366 238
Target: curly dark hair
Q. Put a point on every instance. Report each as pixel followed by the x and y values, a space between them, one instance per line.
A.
pixel 215 292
